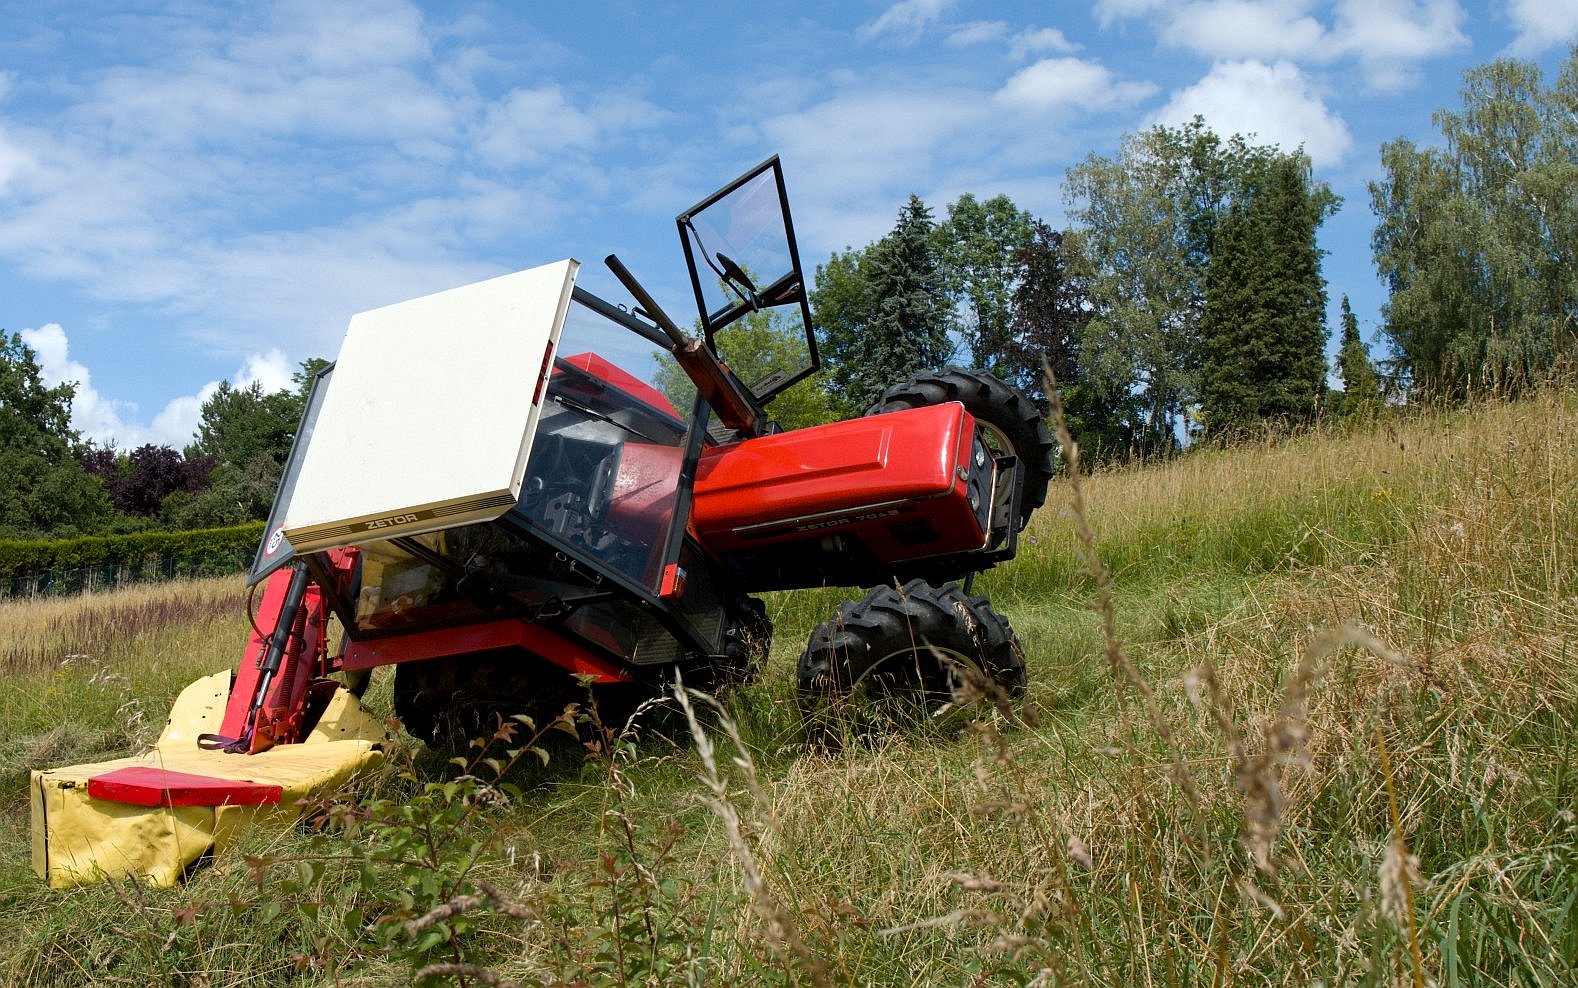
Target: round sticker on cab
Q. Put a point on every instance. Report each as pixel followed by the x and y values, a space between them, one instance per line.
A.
pixel 275 540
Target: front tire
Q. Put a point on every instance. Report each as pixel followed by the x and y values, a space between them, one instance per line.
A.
pixel 1010 421
pixel 909 656
pixel 446 703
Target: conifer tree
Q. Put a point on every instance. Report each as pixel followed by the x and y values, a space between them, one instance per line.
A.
pixel 1264 332
pixel 1233 338
pixel 1361 384
pixel 884 312
pixel 1296 207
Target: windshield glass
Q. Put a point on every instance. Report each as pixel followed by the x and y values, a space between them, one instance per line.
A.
pixel 604 470
pixel 750 293
pixel 741 238
pixel 275 550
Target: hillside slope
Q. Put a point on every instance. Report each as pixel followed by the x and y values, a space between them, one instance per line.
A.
pixel 1330 740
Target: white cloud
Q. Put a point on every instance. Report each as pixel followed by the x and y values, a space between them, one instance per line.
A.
pixel 534 126
pixel 298 289
pixel 95 416
pixel 863 138
pixel 1034 41
pixel 905 20
pixel 126 186
pixel 300 69
pixel 1245 28
pixel 1390 37
pixel 12 160
pixel 1056 83
pixel 248 103
pixel 1030 41
pixel 977 33
pixel 265 183
pixel 1387 38
pixel 176 424
pixel 1271 104
pixel 528 126
pixel 1542 25
pixel 857 155
pixel 332 36
pixel 108 422
pixel 270 370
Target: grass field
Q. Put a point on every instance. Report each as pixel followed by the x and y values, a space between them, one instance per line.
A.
pixel 1326 739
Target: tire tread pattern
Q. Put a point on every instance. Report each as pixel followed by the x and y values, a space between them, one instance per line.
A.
pixel 909 620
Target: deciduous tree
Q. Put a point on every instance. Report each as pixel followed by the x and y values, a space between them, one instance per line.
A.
pixel 138 482
pixel 44 489
pixel 981 249
pixel 1478 241
pixel 1145 233
pixel 1051 307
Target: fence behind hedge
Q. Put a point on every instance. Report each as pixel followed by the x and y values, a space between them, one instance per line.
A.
pixel 101 562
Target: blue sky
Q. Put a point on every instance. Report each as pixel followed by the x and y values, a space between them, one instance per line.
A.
pixel 196 191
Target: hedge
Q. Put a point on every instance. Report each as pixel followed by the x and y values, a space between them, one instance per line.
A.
pixel 73 564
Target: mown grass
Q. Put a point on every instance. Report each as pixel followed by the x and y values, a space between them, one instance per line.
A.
pixel 1330 743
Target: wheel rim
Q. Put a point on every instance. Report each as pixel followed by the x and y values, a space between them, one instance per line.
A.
pixel 996 439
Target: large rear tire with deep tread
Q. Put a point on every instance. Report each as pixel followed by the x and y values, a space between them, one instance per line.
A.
pixel 1011 421
pixel 904 657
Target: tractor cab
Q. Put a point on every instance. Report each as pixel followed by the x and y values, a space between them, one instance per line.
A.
pixel 579 558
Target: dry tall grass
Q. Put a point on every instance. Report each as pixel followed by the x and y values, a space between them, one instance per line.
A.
pixel 1387 618
pixel 96 674
pixel 1355 650
pixel 37 634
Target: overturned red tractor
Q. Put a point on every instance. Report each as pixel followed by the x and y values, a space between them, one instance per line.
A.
pixel 514 491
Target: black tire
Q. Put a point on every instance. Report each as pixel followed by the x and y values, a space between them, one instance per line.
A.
pixel 748 639
pixel 1010 421
pixel 905 657
pixel 415 703
pixel 447 703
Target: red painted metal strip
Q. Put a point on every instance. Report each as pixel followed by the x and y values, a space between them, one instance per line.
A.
pixel 147 786
pixel 443 642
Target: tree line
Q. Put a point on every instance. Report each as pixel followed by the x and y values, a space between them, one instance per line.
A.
pixel 1184 302
pixel 1185 299
pixel 57 485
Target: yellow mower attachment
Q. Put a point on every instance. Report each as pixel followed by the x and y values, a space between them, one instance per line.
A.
pixel 152 816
